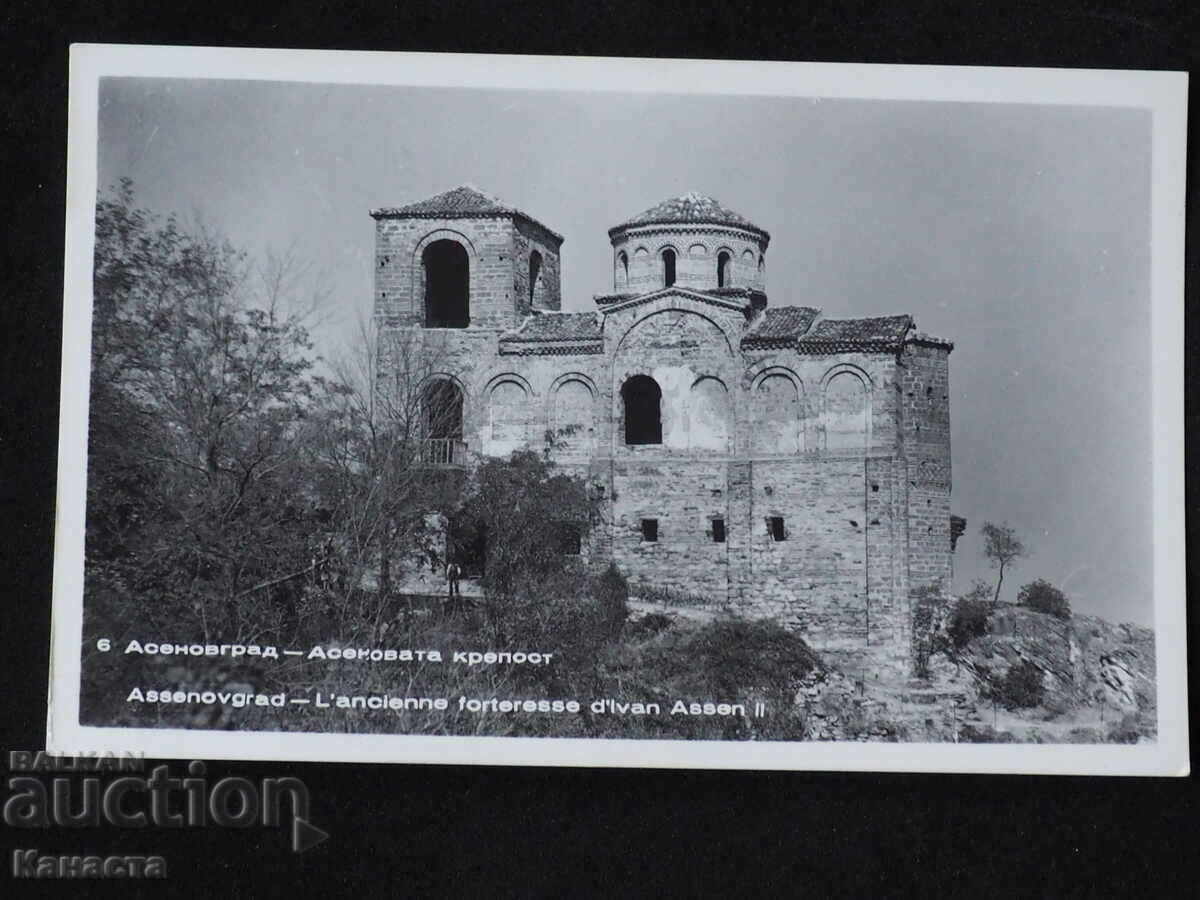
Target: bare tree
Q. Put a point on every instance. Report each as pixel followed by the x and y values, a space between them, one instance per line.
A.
pixel 202 388
pixel 1003 548
pixel 392 445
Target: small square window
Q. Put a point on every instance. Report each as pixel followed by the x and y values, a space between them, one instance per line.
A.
pixel 650 530
pixel 718 531
pixel 775 527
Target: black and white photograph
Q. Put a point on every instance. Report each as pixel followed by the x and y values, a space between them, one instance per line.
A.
pixel 558 411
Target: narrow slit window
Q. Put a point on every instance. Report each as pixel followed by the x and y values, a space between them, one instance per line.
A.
pixel 668 258
pixel 649 530
pixel 718 531
pixel 775 527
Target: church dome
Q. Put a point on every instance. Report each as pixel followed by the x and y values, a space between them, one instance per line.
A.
pixel 691 208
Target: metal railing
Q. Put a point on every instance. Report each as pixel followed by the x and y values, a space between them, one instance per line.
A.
pixel 443 452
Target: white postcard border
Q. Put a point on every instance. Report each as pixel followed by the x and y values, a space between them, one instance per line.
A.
pixel 1163 93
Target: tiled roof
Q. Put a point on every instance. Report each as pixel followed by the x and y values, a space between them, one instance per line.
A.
pixel 800 327
pixel 691 208
pixel 885 329
pixel 782 323
pixel 556 326
pixel 463 202
pixel 606 299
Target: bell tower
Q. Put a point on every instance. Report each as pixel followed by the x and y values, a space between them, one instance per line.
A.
pixel 463 260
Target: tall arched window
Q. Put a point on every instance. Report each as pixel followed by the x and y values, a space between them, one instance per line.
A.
pixel 535 270
pixel 643 410
pixel 622 269
pixel 447 285
pixel 723 269
pixel 443 408
pixel 668 258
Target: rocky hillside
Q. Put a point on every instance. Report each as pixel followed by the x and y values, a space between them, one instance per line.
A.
pixel 1097 679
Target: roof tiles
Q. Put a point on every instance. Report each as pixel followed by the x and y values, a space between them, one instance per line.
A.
pixel 691 208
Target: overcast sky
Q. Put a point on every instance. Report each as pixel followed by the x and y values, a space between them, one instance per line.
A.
pixel 1021 233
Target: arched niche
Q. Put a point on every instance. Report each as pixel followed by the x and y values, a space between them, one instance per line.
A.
pixel 776 407
pixel 509 416
pixel 709 418
pixel 572 413
pixel 846 412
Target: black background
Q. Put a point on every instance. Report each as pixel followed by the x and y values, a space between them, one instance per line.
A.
pixel 462 831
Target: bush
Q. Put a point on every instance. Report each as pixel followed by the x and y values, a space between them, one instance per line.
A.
pixel 984 734
pixel 968 620
pixel 667 596
pixel 1021 686
pixel 1044 597
pixel 650 624
pixel 927 608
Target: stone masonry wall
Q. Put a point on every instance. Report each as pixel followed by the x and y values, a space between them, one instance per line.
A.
pixel 863 492
pixel 923 390
pixel 547 291
pixel 696 252
pixel 498 253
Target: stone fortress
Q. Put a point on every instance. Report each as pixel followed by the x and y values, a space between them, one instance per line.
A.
pixel 791 465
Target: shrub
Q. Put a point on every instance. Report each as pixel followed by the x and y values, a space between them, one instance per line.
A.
pixel 1044 597
pixel 1021 686
pixel 984 734
pixel 1127 731
pixel 968 620
pixel 667 596
pixel 927 607
pixel 650 624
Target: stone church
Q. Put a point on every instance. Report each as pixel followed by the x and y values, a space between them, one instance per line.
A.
pixel 788 464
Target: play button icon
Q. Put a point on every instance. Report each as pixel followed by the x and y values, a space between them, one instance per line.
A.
pixel 306 836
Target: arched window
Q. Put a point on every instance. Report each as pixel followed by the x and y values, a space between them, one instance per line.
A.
pixel 442 420
pixel 443 408
pixel 447 280
pixel 668 258
pixel 722 269
pixel 643 410
pixel 622 269
pixel 535 270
